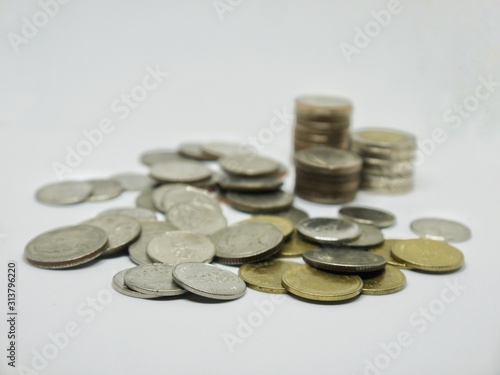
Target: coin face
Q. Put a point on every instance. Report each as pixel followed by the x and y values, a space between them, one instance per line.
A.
pixel 134 181
pixel 248 165
pixel 441 229
pixel 181 193
pixel 384 250
pixel 313 284
pixel 150 229
pixel 284 225
pixel 428 255
pixel 260 202
pixel 323 104
pixel 265 276
pixel 177 247
pixel 103 190
pixel 295 247
pixel 119 285
pixel 158 156
pixel 140 214
pixel 145 200
pixel 219 149
pixel 121 230
pixel 194 151
pixel 370 236
pixel 180 171
pixel 204 220
pixel 62 193
pixel 330 159
pixel 344 260
pixel 246 242
pixel 66 247
pixel 209 281
pixel 368 215
pixel 384 138
pixel 328 230
pixel 249 184
pixel 390 280
pixel 152 279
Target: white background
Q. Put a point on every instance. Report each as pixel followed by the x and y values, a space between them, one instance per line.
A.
pixel 227 76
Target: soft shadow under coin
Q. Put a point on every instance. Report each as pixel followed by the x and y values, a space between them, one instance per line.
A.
pixel 315 302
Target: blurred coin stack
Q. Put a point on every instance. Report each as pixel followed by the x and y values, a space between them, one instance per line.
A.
pixel 322 121
pixel 327 175
pixel 388 157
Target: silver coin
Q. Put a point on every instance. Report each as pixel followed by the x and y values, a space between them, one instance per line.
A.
pixel 260 202
pixel 248 165
pixel 121 230
pixel 66 247
pixel 103 190
pixel 134 181
pixel 249 184
pixel 328 159
pixel 344 260
pixel 158 156
pixel 441 229
pixel 140 214
pixel 200 219
pixel 188 194
pixel 153 279
pixel 119 285
pixel 386 184
pixel 195 151
pixel 368 215
pixel 158 193
pixel 65 192
pixel 150 229
pixel 177 247
pixel 370 236
pixel 219 149
pixel 328 230
pixel 180 171
pixel 145 200
pixel 247 242
pixel 294 214
pixel 209 281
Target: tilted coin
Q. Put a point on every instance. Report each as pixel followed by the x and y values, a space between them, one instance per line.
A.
pixel 248 165
pixel 209 281
pixel 327 158
pixel 150 229
pixel 158 156
pixel 368 215
pixel 177 247
pixel 441 229
pixel 293 214
pixel 284 225
pixel 370 236
pixel 194 151
pixel 188 194
pixel 134 181
pixel 246 243
pixel 344 260
pixel 313 284
pixel 196 218
pixel 119 285
pixel 428 255
pixel 104 189
pixel 180 171
pixel 260 202
pixel 121 230
pixel 65 192
pixel 140 214
pixel 249 184
pixel 295 247
pixel 390 280
pixel 145 199
pixel 153 279
pixel 66 247
pixel 219 149
pixel 265 276
pixel 384 250
pixel 328 230
pixel 159 191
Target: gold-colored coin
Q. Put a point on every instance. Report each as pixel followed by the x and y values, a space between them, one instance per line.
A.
pixel 265 276
pixel 428 255
pixel 310 283
pixel 296 246
pixel 391 280
pixel 384 250
pixel 286 226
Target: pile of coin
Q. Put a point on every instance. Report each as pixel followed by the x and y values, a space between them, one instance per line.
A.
pixel 322 121
pixel 388 157
pixel 327 175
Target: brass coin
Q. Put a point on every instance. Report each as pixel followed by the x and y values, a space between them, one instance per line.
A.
pixel 428 255
pixel 310 283
pixel 284 225
pixel 384 250
pixel 265 276
pixel 296 246
pixel 391 280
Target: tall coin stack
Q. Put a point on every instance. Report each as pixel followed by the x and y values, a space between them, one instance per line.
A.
pixel 388 157
pixel 327 175
pixel 322 121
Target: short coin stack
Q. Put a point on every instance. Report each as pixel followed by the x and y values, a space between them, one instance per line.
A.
pixel 322 121
pixel 387 159
pixel 327 175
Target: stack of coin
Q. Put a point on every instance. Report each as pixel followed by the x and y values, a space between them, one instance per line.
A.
pixel 388 156
pixel 327 175
pixel 322 121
